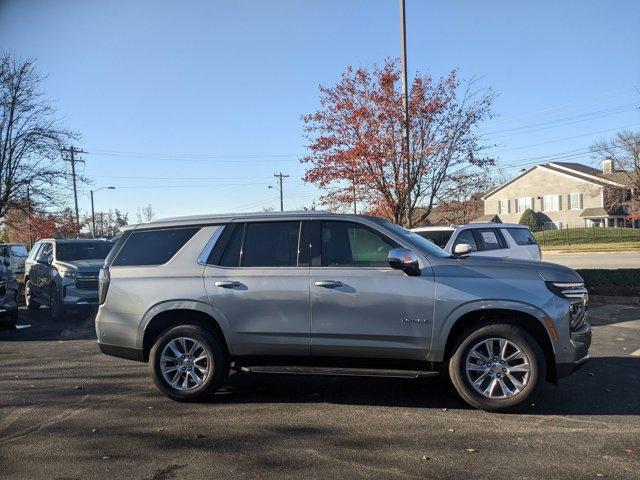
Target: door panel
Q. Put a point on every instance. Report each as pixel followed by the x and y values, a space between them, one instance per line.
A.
pixel 360 307
pixel 267 309
pixel 375 313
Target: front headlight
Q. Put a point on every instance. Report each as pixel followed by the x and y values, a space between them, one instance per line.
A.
pixel 577 293
pixel 68 275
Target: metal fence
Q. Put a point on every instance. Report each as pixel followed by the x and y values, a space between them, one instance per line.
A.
pixel 580 235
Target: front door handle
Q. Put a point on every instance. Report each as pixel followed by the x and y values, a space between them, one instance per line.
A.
pixel 328 283
pixel 227 284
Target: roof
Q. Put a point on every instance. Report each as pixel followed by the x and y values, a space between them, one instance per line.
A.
pixel 601 212
pixel 576 170
pixel 230 217
pixel 470 225
pixel 488 218
pixel 435 228
pixel 74 240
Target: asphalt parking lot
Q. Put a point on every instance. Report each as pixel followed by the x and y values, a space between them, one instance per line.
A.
pixel 69 412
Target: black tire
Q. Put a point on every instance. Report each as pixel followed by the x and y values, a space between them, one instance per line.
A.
pixel 215 351
pixel 511 333
pixel 28 300
pixel 56 308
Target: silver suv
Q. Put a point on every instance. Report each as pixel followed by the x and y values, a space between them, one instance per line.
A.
pixel 316 290
pixel 63 274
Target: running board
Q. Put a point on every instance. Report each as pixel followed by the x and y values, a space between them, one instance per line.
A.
pixel 340 372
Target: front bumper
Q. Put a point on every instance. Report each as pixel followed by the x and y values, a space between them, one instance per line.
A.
pixel 8 308
pixel 76 297
pixel 581 341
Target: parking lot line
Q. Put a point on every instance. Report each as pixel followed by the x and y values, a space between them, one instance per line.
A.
pixel 636 353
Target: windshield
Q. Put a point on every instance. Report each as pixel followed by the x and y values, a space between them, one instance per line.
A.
pixel 19 250
pixel 82 251
pixel 426 246
pixel 439 237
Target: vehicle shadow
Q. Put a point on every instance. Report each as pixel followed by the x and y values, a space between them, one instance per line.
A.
pixel 76 325
pixel 604 386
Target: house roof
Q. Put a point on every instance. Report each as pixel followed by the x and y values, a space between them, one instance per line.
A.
pixel 601 212
pixel 576 170
pixel 489 218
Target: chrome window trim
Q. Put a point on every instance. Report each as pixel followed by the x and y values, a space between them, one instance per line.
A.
pixel 204 256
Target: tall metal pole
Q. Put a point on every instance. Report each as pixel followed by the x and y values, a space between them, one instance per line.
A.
pixel 93 218
pixel 405 111
pixel 72 151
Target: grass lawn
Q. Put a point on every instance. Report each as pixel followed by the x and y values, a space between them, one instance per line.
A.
pixel 588 236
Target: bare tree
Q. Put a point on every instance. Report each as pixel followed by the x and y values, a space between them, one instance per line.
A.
pixel 145 214
pixel 31 138
pixel 624 152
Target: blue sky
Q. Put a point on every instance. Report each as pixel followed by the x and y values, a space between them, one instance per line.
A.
pixel 192 106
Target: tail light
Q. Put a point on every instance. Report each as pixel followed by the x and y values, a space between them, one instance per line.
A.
pixel 103 284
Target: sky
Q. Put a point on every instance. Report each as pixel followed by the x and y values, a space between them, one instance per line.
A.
pixel 193 106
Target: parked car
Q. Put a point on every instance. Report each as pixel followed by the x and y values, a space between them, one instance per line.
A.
pixel 63 274
pixel 15 254
pixel 320 290
pixel 8 296
pixel 507 240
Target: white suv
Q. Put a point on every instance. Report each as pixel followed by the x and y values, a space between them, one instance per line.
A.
pixel 508 240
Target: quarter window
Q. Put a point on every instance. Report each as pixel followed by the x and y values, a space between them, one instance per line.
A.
pixel 271 244
pixel 347 244
pixel 153 247
pixel 522 236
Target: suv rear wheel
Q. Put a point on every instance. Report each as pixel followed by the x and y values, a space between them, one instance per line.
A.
pixel 188 363
pixel 497 367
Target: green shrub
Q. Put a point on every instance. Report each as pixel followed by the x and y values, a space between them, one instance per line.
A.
pixel 618 282
pixel 531 219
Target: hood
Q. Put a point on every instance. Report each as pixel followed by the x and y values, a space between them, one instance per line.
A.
pixel 80 265
pixel 516 268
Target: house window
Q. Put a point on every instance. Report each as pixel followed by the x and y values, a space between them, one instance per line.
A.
pixel 552 203
pixel 524 203
pixel 503 206
pixel 575 201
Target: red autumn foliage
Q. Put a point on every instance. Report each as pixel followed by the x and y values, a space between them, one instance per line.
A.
pixel 355 141
pixel 22 229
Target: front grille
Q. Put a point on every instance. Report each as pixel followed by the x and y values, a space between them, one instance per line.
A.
pixel 87 282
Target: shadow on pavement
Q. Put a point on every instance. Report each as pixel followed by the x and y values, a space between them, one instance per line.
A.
pixel 76 325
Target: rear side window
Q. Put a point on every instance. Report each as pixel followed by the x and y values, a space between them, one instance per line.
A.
pixel 153 247
pixel 270 244
pixel 522 236
pixel 490 239
pixel 439 237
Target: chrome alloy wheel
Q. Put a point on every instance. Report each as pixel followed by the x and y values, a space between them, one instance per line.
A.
pixel 185 363
pixel 497 368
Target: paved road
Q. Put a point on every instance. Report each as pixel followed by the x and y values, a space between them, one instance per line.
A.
pixel 68 412
pixel 595 259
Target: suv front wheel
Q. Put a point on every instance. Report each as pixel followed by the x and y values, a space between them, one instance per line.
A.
pixel 188 363
pixel 497 367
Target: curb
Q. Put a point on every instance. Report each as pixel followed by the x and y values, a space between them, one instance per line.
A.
pixel 614 300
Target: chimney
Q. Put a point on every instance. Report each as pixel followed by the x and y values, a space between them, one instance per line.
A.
pixel 607 165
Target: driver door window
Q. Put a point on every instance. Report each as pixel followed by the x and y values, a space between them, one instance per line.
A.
pixel 346 244
pixel 466 236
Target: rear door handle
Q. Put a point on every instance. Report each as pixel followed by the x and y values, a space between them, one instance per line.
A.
pixel 227 284
pixel 328 283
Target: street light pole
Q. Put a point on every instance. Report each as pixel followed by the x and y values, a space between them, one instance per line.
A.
pixel 93 213
pixel 405 111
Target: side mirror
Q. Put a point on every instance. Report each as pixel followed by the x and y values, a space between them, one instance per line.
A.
pixel 462 249
pixel 42 259
pixel 405 260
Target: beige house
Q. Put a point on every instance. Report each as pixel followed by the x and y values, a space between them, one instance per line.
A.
pixel 568 194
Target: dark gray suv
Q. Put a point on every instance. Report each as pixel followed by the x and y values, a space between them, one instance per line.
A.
pixel 332 293
pixel 63 274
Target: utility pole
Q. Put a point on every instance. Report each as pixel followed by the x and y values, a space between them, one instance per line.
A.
pixel 405 111
pixel 72 159
pixel 280 176
pixel 29 216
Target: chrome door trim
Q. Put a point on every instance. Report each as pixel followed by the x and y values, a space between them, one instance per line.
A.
pixel 202 259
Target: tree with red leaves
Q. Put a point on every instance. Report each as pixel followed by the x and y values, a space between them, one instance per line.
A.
pixel 355 141
pixel 25 228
